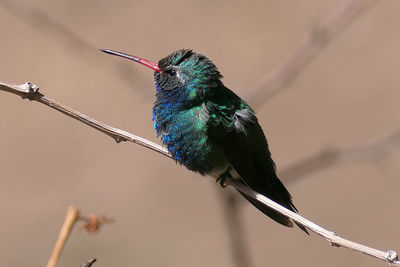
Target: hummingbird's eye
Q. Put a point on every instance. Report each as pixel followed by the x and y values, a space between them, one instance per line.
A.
pixel 171 72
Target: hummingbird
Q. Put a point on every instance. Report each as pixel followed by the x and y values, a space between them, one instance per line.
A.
pixel 210 130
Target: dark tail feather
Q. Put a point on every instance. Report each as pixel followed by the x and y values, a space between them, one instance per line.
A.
pixel 302 228
pixel 276 216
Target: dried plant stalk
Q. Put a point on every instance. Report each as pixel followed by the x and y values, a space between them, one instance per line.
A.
pixel 69 222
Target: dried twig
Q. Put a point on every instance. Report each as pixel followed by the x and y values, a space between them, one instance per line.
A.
pixel 31 92
pixel 70 219
pixel 311 45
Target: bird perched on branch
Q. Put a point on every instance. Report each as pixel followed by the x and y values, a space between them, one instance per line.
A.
pixel 209 129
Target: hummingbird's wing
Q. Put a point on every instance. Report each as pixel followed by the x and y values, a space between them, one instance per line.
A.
pixel 234 127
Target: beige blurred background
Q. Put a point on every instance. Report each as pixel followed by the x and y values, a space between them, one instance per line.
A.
pixel 166 215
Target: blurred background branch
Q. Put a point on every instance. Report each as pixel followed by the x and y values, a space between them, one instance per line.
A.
pixel 234 226
pixel 374 149
pixel 310 47
pixel 75 44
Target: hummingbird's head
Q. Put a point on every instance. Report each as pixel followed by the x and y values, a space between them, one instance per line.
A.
pixel 187 73
pixel 183 76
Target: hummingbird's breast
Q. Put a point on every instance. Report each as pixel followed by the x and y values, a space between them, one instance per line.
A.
pixel 185 134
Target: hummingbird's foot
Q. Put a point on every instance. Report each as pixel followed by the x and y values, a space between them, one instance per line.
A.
pixel 222 178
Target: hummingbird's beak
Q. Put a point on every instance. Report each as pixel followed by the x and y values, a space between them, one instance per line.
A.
pixel 142 61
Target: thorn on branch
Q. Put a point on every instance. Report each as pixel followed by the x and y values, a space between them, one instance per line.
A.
pixel 332 242
pixel 92 223
pixel 118 139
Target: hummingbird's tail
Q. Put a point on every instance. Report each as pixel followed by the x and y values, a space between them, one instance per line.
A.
pixel 257 171
pixel 276 216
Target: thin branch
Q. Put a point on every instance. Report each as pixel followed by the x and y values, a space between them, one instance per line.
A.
pixel 70 219
pixel 373 149
pixel 310 46
pixel 335 240
pixel 31 92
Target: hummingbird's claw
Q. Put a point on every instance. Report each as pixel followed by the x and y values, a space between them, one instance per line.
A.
pixel 222 178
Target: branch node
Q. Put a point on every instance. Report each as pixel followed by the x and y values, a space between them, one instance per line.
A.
pixel 392 256
pixel 33 88
pixel 29 89
pixel 331 242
